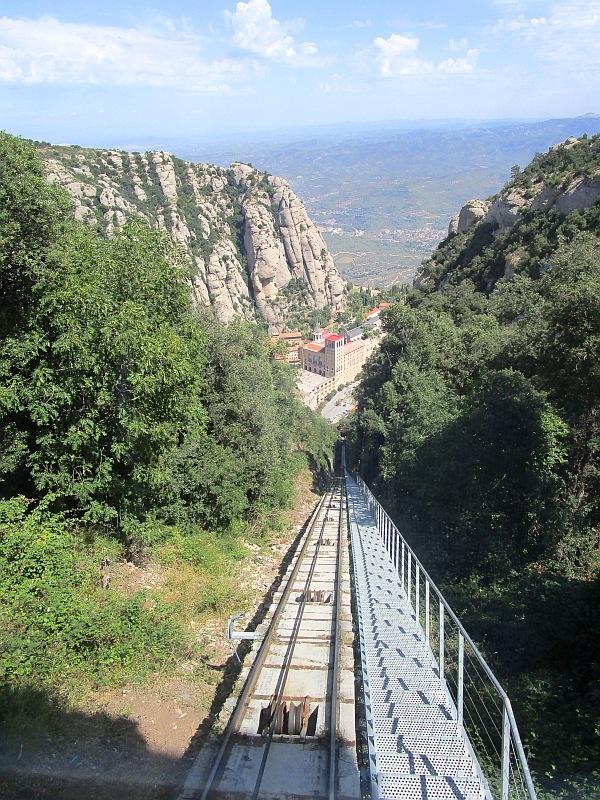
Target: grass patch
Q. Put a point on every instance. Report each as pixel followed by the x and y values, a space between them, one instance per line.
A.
pixel 64 634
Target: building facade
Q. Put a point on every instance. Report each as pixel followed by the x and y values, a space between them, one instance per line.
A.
pixel 331 356
pixel 332 359
pixel 292 343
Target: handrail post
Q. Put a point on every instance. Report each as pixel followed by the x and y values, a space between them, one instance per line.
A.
pixel 442 643
pixel 417 592
pixel 427 610
pixel 461 678
pixel 409 577
pixel 505 792
pixel 402 568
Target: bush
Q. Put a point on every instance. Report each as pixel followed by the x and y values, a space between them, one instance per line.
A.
pixel 59 626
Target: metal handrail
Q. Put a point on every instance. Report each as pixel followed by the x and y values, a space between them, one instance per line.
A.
pixel 392 539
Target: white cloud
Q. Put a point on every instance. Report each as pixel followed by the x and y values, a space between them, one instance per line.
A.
pixel 570 32
pixel 49 51
pixel 398 56
pixel 453 45
pixel 466 64
pixel 259 32
pixel 519 23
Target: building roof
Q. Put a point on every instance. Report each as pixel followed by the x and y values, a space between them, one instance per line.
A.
pixel 333 337
pixel 385 305
pixel 355 332
pixel 373 313
pixel 295 335
pixel 315 348
pixel 352 346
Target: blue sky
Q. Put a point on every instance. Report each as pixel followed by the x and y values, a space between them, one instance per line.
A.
pixel 97 73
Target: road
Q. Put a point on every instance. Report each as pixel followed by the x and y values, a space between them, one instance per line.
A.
pixel 335 405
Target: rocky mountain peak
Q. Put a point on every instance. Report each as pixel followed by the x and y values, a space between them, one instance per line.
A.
pixel 566 178
pixel 252 246
pixel 486 240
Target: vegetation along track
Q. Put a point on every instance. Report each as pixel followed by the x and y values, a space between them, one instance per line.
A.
pixel 283 737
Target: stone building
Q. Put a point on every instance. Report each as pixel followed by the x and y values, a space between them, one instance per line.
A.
pixel 292 343
pixel 335 357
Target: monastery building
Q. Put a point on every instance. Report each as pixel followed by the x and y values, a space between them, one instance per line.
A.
pixel 330 360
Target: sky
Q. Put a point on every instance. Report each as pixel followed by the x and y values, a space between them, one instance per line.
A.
pixel 106 73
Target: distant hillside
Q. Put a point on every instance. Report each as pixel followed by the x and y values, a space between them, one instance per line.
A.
pixel 399 187
pixel 251 244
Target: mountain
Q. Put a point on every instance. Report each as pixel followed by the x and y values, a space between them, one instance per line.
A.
pixel 252 246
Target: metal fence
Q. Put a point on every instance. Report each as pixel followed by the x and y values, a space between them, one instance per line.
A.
pixel 482 707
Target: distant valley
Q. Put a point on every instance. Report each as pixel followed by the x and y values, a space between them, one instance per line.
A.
pixel 383 198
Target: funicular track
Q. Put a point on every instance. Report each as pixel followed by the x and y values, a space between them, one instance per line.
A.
pixel 434 722
pixel 282 739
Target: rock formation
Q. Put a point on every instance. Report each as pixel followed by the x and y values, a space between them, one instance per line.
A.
pixel 487 241
pixel 503 211
pixel 247 234
pixel 471 213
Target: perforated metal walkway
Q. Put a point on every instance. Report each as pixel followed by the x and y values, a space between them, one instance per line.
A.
pixel 417 750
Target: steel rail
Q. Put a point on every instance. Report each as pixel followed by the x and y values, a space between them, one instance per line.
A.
pixel 336 653
pixel 280 689
pixel 258 663
pixel 244 697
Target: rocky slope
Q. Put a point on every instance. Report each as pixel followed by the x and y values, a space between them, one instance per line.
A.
pixel 251 244
pixel 491 239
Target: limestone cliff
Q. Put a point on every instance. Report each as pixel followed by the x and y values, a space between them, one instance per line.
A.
pixel 251 244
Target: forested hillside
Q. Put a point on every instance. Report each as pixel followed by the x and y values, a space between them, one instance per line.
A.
pixel 131 420
pixel 478 423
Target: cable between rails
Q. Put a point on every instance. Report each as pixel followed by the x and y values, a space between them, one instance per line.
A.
pixel 243 700
pixel 280 689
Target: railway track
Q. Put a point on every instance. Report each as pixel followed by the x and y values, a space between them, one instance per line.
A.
pixel 285 738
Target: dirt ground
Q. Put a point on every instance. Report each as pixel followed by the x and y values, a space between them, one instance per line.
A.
pixel 140 741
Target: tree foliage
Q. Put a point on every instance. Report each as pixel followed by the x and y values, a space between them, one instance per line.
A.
pixel 120 399
pixel 478 424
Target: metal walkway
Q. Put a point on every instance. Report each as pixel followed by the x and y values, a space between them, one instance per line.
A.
pixel 417 749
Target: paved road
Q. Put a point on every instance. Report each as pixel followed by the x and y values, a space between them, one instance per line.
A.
pixel 334 406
